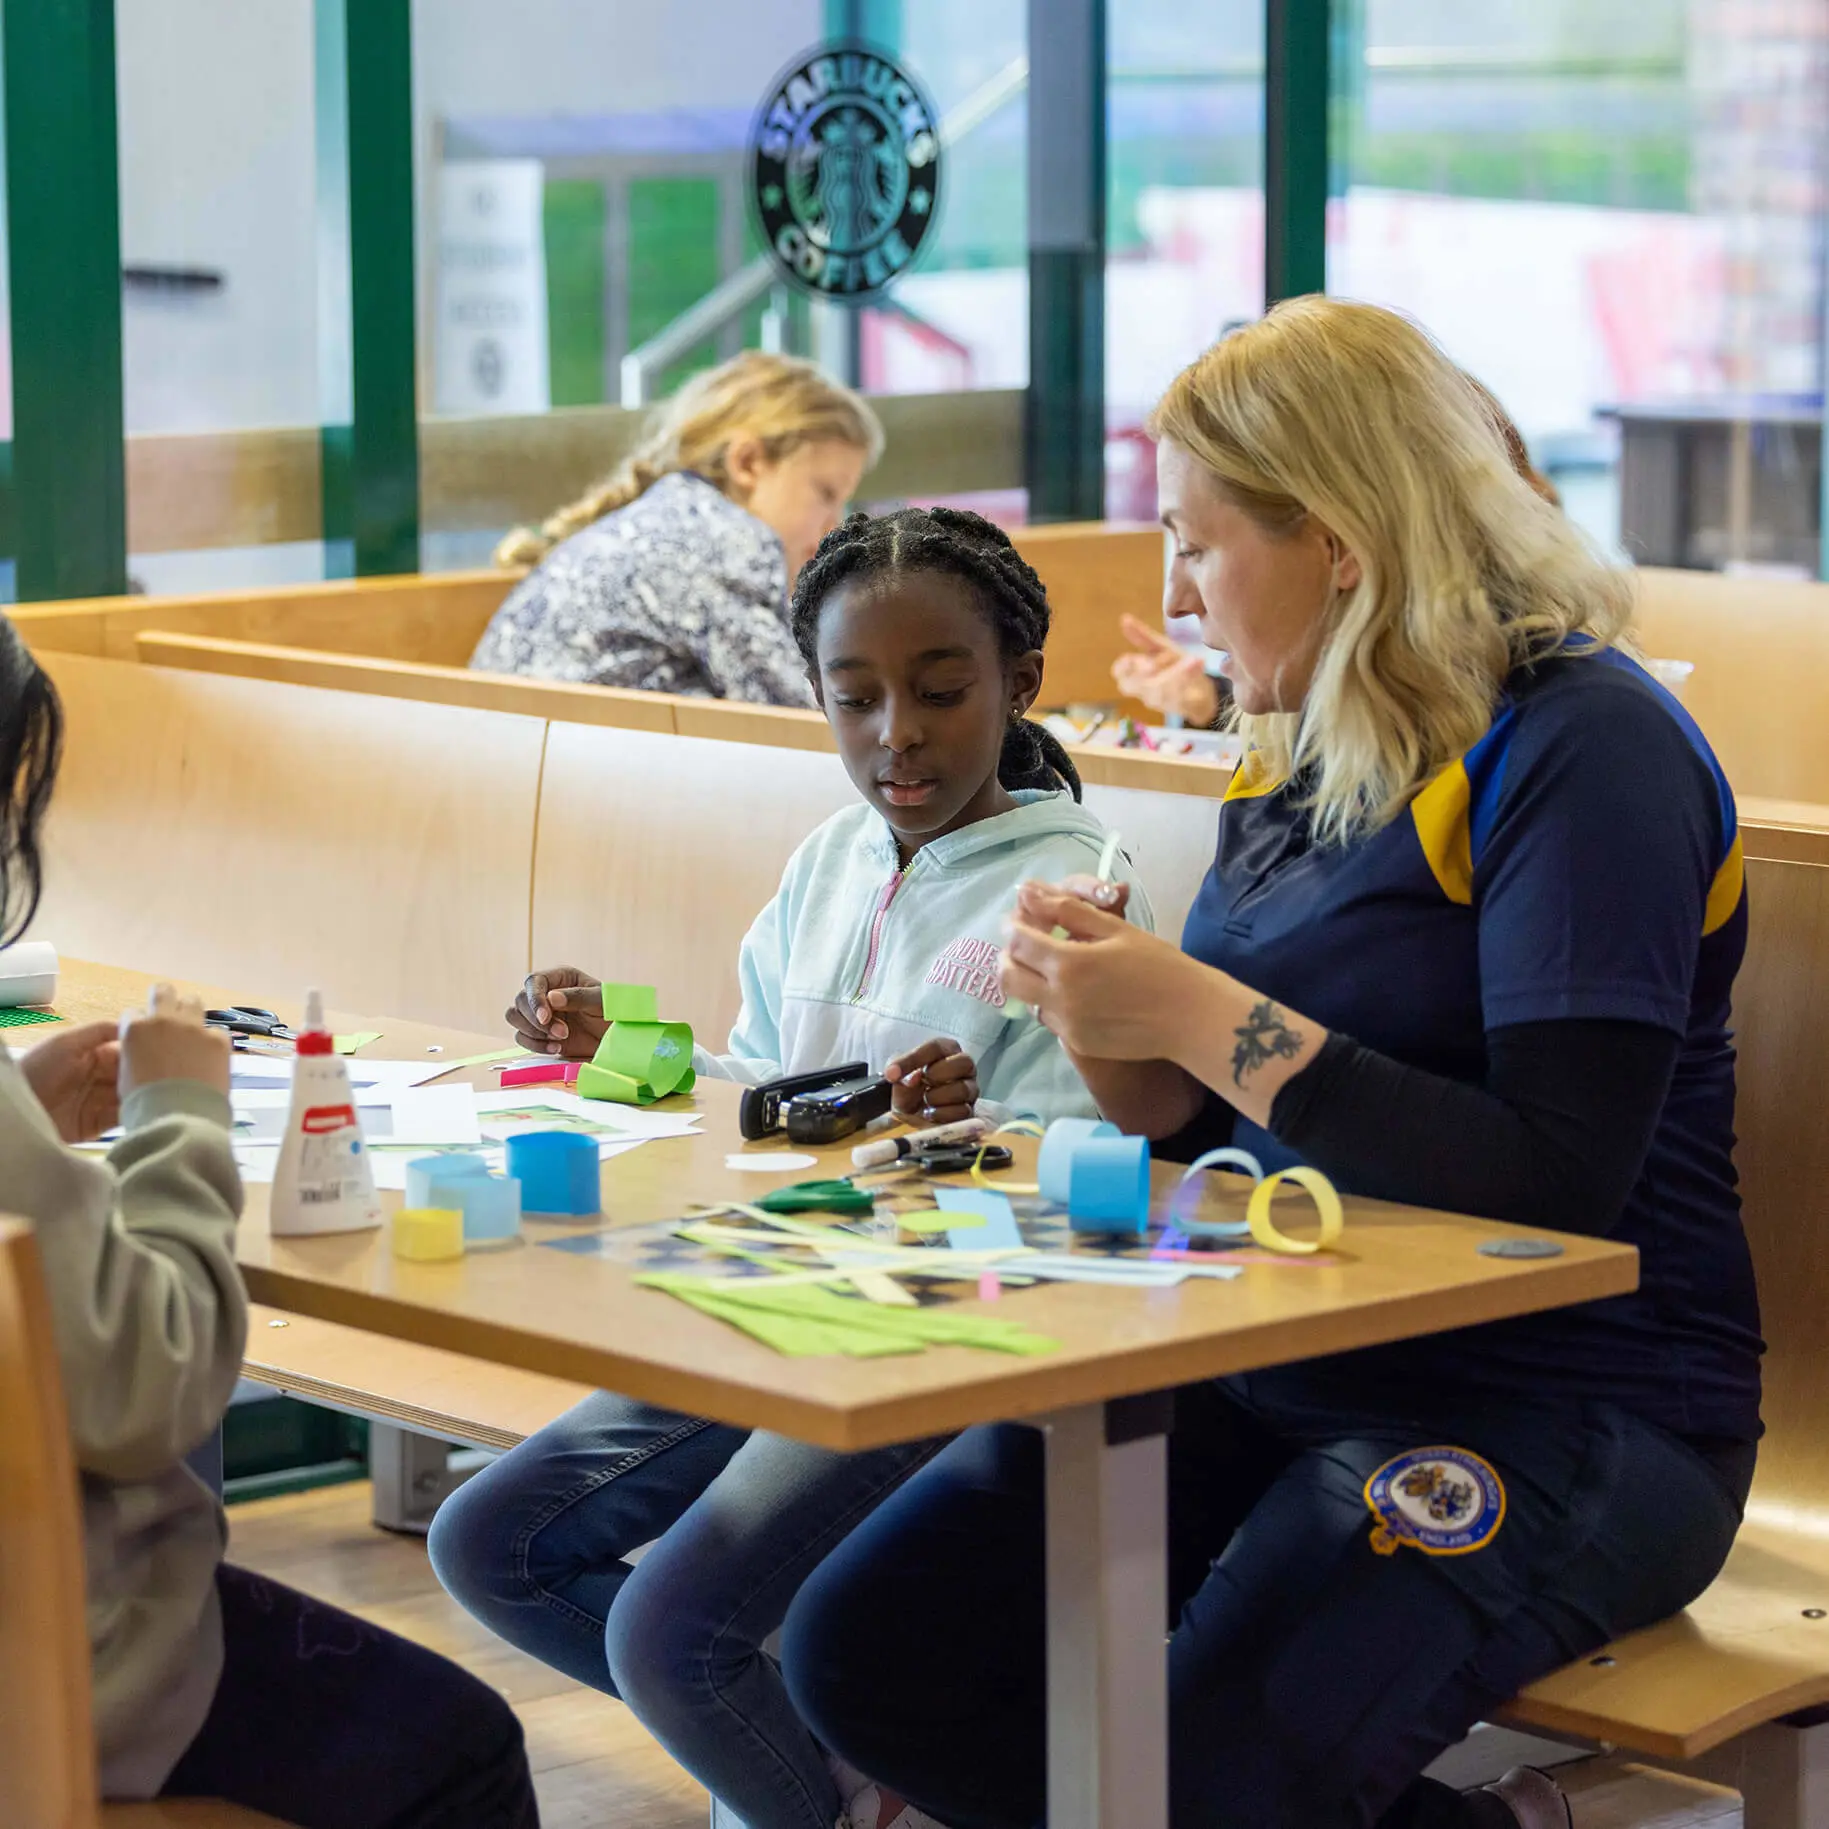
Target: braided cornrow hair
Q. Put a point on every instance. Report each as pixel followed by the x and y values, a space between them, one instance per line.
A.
pixel 967 546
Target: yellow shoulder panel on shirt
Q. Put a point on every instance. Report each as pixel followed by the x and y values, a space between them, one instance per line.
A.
pixel 1252 777
pixel 1725 891
pixel 1440 812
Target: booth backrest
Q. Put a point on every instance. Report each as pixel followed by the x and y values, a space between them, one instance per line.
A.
pixel 1781 1025
pixel 1094 572
pixel 418 617
pixel 1760 690
pixel 245 832
pixel 418 857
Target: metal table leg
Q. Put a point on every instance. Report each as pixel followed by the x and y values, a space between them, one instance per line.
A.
pixel 1107 1556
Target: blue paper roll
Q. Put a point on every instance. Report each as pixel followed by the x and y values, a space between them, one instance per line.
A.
pixel 1054 1169
pixel 559 1172
pixel 453 1165
pixel 491 1207
pixel 1109 1187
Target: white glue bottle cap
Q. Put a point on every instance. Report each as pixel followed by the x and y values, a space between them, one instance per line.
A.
pixel 314 1038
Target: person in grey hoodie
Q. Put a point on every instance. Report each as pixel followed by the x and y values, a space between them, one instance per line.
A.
pixel 922 633
pixel 208 1681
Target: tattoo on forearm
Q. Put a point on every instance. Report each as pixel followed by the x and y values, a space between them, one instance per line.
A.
pixel 1264 1036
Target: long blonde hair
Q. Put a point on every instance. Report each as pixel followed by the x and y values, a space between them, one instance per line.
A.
pixel 1351 414
pixel 780 400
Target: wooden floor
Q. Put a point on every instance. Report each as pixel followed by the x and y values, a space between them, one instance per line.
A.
pixel 594 1765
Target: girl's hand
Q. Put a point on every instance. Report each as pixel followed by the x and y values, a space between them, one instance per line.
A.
pixel 73 1075
pixel 559 1011
pixel 1164 675
pixel 936 1082
pixel 1108 990
pixel 170 1042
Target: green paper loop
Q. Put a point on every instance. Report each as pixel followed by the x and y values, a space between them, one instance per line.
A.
pixel 657 1053
pixel 631 1003
pixel 640 1058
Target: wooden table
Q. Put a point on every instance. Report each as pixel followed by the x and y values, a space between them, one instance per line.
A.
pixel 1400 1272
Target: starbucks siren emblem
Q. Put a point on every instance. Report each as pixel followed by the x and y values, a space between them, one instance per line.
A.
pixel 844 172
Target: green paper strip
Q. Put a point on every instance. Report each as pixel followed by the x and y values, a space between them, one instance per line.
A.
pixel 596 1082
pixel 804 1320
pixel 348 1044
pixel 631 1003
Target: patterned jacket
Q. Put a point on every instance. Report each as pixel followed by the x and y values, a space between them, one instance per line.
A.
pixel 679 591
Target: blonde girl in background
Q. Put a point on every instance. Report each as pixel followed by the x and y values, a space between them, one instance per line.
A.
pixel 673 574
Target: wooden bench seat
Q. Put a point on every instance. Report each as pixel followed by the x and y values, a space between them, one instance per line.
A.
pixel 1719 1682
pixel 446 1395
pixel 1748 1652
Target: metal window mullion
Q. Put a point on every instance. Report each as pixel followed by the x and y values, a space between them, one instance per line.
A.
pixel 365 179
pixel 64 265
pixel 1065 420
pixel 1297 101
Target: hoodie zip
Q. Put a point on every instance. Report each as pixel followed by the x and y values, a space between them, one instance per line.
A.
pixel 876 927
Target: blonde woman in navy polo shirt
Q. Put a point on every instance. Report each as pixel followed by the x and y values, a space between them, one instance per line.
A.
pixel 1469 942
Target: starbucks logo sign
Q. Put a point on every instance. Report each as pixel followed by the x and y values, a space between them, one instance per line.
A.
pixel 844 171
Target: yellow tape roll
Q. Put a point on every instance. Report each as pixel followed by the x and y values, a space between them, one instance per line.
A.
pixel 1327 1203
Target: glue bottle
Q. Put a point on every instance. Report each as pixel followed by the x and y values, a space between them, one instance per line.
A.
pixel 323 1182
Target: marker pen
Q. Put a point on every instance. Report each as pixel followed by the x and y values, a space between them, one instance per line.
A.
pixel 892 1149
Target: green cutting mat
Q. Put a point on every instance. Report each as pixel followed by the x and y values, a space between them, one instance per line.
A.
pixel 19 1019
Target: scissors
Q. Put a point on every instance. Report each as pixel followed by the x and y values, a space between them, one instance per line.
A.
pixel 818 1197
pixel 249 1021
pixel 958 1158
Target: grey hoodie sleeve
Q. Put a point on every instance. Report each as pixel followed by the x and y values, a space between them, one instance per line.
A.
pixel 139 1255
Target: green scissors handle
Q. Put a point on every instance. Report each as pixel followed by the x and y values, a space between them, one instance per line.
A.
pixel 818 1197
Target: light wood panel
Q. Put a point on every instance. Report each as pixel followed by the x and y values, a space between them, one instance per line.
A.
pixel 418 1387
pixel 1761 685
pixel 1096 573
pixel 264 835
pixel 656 853
pixel 1781 1024
pixel 47 1737
pixel 195 491
pixel 412 680
pixel 435 619
pixel 724 720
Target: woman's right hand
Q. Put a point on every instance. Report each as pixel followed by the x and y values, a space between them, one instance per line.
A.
pixel 168 1041
pixel 559 1011
pixel 1164 675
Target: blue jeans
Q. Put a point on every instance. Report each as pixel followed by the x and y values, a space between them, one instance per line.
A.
pixel 536 1546
pixel 1310 1679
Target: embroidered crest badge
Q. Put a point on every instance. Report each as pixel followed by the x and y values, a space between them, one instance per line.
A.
pixel 1442 1501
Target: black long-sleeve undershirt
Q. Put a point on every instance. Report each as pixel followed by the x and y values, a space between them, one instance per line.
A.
pixel 1556 1136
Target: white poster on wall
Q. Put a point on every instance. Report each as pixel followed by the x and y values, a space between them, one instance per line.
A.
pixel 490 337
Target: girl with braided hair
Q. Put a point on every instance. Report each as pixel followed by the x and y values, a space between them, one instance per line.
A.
pixel 673 574
pixel 922 633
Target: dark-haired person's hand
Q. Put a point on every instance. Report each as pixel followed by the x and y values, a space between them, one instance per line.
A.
pixel 936 1082
pixel 559 1011
pixel 1164 675
pixel 73 1075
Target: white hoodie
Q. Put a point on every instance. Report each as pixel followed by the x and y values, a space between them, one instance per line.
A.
pixel 857 958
